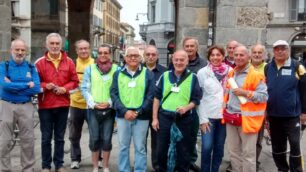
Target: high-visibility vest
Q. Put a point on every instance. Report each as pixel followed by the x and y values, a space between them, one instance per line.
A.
pixel 132 97
pixel 252 113
pixel 176 99
pixel 101 84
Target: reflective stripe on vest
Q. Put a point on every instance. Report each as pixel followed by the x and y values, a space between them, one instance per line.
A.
pixel 132 97
pixel 252 113
pixel 175 100
pixel 100 84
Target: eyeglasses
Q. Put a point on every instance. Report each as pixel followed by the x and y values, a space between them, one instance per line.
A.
pixel 132 55
pixel 151 54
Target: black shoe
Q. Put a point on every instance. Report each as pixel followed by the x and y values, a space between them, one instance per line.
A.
pixel 195 168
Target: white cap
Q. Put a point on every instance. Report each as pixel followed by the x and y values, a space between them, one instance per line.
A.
pixel 280 42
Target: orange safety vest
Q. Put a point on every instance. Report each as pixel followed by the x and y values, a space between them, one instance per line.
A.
pixel 252 114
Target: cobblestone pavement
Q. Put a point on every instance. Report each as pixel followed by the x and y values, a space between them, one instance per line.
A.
pixel 266 160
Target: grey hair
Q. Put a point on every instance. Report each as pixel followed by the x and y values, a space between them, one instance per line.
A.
pixel 76 44
pixel 245 49
pixel 54 35
pixel 190 38
pixel 151 46
pixel 260 45
pixel 131 48
pixel 18 40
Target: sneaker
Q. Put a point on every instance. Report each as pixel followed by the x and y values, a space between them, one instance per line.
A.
pixel 95 170
pixel 100 164
pixel 106 170
pixel 75 165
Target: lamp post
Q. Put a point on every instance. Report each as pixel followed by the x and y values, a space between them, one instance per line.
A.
pixel 137 15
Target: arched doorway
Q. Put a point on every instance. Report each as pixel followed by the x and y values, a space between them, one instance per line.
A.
pixel 298 46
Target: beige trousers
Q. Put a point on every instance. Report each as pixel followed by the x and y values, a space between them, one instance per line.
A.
pixel 242 149
pixel 22 115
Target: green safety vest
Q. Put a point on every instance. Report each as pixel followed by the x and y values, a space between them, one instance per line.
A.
pixel 101 83
pixel 132 97
pixel 175 100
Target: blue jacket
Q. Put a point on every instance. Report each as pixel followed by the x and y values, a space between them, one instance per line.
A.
pixel 284 90
pixel 146 108
pixel 20 75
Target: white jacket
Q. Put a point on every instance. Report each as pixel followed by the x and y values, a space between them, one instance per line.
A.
pixel 211 103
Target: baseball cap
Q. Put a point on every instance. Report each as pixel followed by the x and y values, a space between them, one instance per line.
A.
pixel 280 42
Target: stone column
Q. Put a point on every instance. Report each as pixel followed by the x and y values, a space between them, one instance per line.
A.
pixel 192 20
pixel 5 28
pixel 78 11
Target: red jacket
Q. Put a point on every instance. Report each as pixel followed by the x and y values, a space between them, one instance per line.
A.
pixel 64 76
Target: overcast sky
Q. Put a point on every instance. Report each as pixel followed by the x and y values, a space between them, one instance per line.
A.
pixel 128 13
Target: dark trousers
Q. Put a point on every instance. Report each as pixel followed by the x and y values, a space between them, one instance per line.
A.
pixel 194 134
pixel 76 121
pixel 182 147
pixel 53 122
pixel 153 146
pixel 283 129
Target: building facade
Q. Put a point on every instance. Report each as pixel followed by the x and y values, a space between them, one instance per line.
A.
pixel 159 30
pixel 248 22
pixel 111 25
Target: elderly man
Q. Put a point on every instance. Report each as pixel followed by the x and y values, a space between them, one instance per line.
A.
pixel 244 118
pixel 258 53
pixel 132 95
pixel 78 106
pixel 57 77
pixel 177 93
pixel 151 62
pixel 286 81
pixel 19 81
pixel 195 63
pixel 230 47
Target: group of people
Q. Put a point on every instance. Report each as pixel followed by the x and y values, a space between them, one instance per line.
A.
pixel 226 98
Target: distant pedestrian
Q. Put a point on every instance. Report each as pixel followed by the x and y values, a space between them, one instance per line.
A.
pixel 78 106
pixel 57 77
pixel 19 81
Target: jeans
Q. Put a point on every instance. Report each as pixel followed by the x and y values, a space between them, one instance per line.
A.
pixel 53 121
pixel 76 121
pixel 136 129
pixel 183 147
pixel 100 134
pixel 213 146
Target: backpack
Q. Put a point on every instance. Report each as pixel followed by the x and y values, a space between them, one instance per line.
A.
pixel 7 68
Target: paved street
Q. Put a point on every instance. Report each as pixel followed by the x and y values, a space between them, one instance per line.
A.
pixel 266 157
